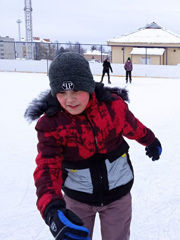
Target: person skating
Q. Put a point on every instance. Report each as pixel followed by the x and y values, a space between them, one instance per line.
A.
pixel 128 66
pixel 106 67
pixel 83 163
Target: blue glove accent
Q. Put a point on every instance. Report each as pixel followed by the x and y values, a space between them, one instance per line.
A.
pixel 160 150
pixel 66 225
pixel 69 224
pixel 154 150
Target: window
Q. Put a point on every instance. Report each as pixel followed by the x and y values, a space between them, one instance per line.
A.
pixel 146 60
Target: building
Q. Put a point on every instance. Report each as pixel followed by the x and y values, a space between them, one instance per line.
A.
pixel 41 48
pixel 151 44
pixel 95 55
pixel 38 39
pixel 7 50
pixel 44 49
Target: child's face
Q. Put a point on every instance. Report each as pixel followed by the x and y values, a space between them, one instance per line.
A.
pixel 72 101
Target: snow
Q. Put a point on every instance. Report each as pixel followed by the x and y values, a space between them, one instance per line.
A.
pixel 156 195
pixel 139 70
pixel 94 52
pixel 148 51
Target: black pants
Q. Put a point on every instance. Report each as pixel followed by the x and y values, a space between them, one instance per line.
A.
pixel 128 74
pixel 105 71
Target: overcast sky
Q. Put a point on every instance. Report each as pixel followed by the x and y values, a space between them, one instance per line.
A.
pixel 87 21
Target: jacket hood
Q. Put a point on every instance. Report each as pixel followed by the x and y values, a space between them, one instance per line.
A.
pixel 45 103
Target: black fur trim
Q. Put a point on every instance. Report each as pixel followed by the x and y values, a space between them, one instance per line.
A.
pixel 37 107
pixel 46 103
pixel 104 93
pixel 122 92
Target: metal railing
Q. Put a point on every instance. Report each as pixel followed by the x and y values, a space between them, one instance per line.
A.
pixel 43 50
pixel 99 52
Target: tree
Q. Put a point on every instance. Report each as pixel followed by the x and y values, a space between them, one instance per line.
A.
pixel 72 47
pixel 93 48
pixel 46 51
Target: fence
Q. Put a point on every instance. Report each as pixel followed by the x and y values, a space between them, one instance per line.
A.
pixel 44 50
pixel 97 52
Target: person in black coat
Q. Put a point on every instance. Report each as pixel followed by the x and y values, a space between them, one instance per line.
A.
pixel 106 67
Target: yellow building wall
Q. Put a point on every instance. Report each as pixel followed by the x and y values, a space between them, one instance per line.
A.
pixel 154 60
pixel 127 52
pixel 117 55
pixel 120 54
pixel 173 56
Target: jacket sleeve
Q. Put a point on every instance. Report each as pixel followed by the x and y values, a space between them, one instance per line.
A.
pixel 48 172
pixel 134 129
pixel 110 67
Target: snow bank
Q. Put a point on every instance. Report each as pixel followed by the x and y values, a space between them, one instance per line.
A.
pixel 118 69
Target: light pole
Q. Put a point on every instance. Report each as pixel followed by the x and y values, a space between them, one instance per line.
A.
pixel 19 30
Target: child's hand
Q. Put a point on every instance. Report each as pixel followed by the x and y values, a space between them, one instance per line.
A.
pixel 64 224
pixel 154 150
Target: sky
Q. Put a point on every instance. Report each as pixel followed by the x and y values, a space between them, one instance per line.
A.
pixel 155 194
pixel 87 22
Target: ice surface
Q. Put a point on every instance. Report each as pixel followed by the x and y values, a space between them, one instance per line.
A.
pixel 156 192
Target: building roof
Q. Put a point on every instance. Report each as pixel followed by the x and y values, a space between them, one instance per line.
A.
pixel 148 51
pixel 151 33
pixel 95 52
pixel 7 38
pixel 38 39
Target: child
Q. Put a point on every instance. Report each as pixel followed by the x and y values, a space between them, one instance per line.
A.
pixel 82 152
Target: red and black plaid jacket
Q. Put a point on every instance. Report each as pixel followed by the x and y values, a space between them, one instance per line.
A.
pixel 89 141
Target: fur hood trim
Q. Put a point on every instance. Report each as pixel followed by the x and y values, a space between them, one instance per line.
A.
pixel 45 103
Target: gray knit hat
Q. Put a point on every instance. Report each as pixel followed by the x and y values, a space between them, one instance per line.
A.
pixel 70 71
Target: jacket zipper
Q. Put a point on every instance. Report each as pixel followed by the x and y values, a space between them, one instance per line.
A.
pixel 96 150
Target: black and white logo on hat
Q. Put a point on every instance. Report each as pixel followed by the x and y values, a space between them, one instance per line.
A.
pixel 68 85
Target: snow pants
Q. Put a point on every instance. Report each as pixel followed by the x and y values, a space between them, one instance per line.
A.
pixel 115 218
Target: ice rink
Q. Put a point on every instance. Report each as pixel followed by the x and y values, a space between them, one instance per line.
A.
pixel 156 191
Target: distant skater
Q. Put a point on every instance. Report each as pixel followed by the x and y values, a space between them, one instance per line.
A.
pixel 106 67
pixel 128 67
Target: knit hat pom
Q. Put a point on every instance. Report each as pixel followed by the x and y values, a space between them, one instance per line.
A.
pixel 70 71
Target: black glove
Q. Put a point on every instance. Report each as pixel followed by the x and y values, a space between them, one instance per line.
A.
pixel 154 150
pixel 66 225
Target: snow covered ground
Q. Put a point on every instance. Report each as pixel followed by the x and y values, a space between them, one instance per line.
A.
pixel 156 191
